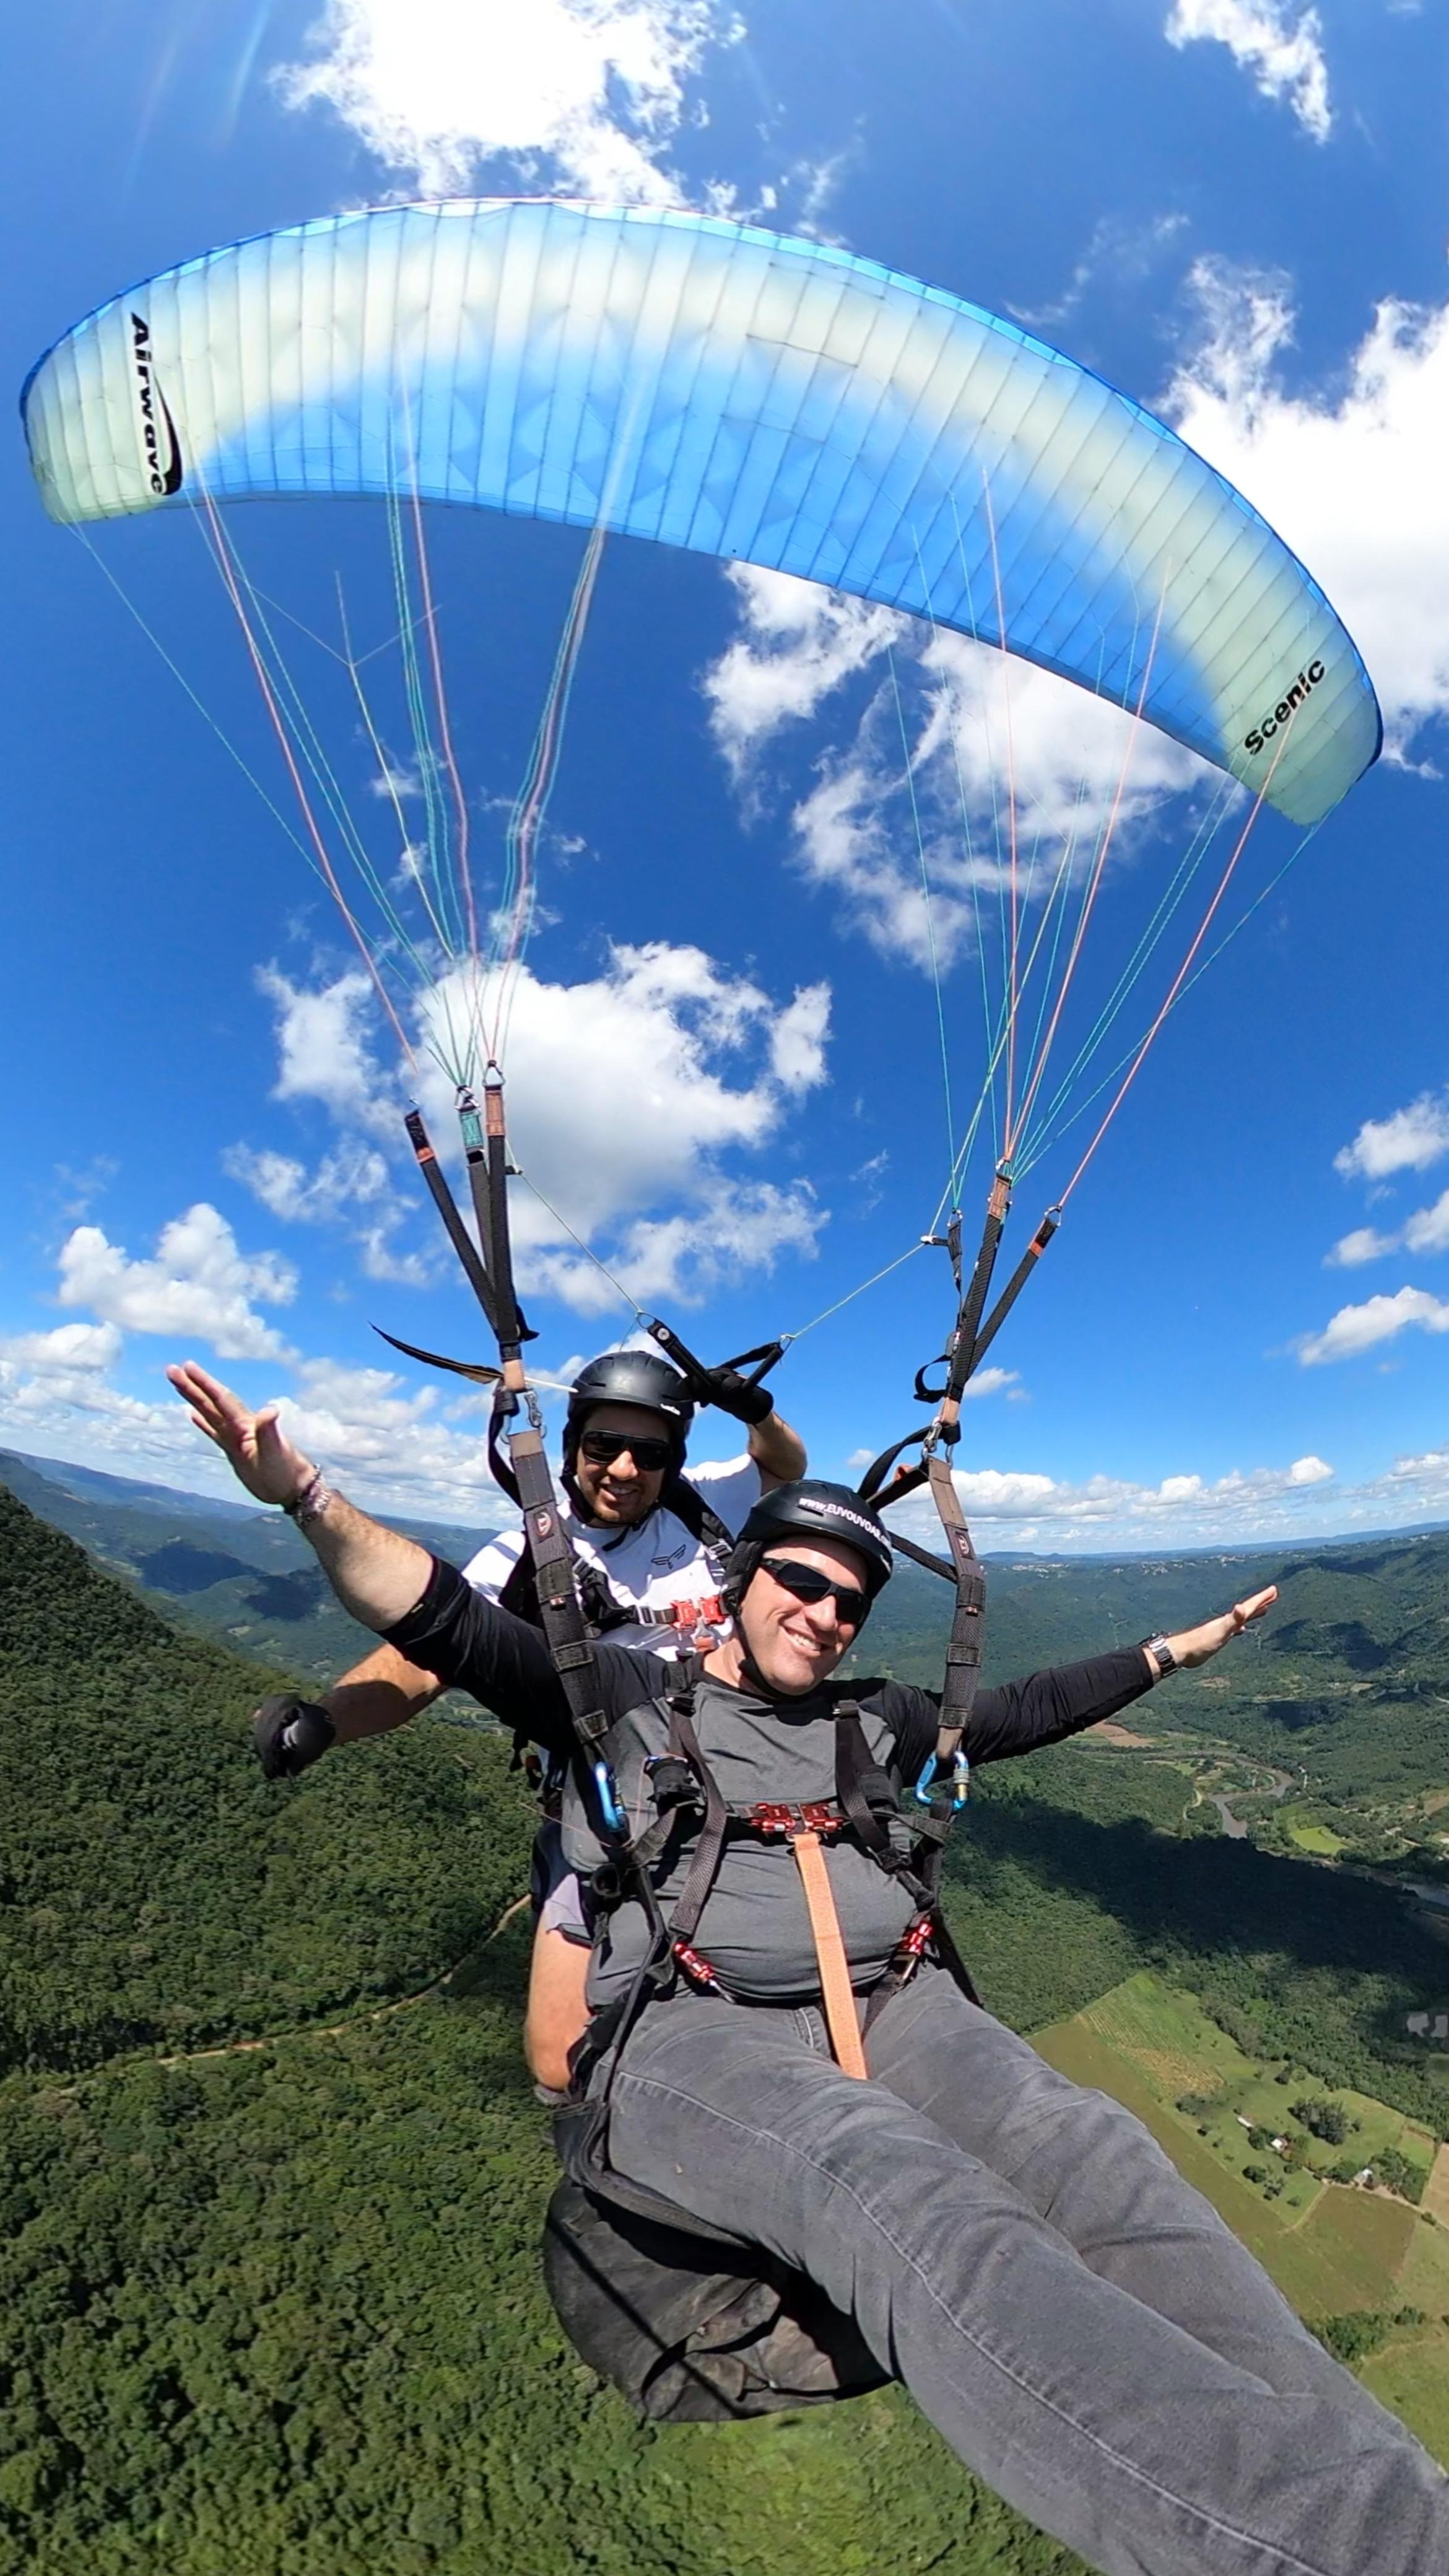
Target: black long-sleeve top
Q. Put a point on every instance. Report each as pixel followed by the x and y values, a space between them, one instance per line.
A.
pixel 755 1928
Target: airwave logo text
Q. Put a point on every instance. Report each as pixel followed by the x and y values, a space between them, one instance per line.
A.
pixel 1264 730
pixel 158 430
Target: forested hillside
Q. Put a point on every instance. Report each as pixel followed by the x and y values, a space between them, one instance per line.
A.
pixel 274 2309
pixel 225 1570
pixel 273 2176
pixel 154 1892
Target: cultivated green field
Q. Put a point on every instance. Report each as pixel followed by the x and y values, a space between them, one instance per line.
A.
pixel 1320 1840
pixel 1412 2377
pixel 1332 2250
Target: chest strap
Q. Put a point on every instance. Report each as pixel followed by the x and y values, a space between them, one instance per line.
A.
pixel 701 1618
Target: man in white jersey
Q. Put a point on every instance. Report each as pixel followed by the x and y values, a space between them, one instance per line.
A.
pixel 649 1543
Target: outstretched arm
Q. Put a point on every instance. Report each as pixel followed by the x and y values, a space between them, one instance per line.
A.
pixel 1046 1707
pixel 377 1575
pixel 1198 1645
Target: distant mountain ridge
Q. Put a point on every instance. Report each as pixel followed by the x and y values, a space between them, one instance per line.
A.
pixel 233 1571
pixel 1343 1678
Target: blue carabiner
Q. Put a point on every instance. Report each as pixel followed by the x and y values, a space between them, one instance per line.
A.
pixel 960 1783
pixel 615 1820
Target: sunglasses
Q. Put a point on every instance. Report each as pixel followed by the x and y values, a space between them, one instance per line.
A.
pixel 651 1457
pixel 808 1584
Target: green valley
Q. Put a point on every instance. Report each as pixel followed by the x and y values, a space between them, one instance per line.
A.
pixel 273 2174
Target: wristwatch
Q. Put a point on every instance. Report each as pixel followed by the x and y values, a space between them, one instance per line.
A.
pixel 1166 1659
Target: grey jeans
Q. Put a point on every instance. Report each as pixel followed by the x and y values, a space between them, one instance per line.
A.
pixel 1076 2321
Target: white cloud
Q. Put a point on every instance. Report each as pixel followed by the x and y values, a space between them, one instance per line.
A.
pixel 582 95
pixel 399 1452
pixel 732 1231
pixel 77 1414
pixel 1427 1230
pixel 799 643
pixel 1283 52
pixel 632 1097
pixel 1424 1233
pixel 352 1187
pixel 355 1176
pixel 950 737
pixel 1121 252
pixel 199 1286
pixel 992 1381
pixel 324 1048
pixel 1010 1507
pixel 1309 1471
pixel 1408 1141
pixel 1354 481
pixel 987 736
pixel 797 1039
pixel 69 1348
pixel 1363 1244
pixel 1356 1329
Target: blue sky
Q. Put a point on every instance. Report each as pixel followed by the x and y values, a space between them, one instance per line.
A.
pixel 723 1058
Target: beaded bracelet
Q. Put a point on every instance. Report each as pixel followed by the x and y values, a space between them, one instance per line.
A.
pixel 311 1501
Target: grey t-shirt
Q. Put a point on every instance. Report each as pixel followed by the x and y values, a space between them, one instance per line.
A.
pixel 755 1927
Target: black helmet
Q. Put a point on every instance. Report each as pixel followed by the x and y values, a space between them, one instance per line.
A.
pixel 810 1509
pixel 629 1377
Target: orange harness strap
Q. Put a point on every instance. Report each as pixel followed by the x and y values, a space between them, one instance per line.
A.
pixel 834 1967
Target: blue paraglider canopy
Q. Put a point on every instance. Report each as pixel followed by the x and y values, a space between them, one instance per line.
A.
pixel 705 384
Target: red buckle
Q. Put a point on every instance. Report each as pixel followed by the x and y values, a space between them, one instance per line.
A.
pixel 912 1946
pixel 701 1618
pixel 698 1614
pixel 695 1965
pixel 815 1817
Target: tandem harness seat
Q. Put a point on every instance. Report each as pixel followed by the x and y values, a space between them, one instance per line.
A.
pixel 648 2307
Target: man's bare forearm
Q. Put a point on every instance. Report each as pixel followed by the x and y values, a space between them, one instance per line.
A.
pixel 377 1575
pixel 381 1692
pixel 777 1451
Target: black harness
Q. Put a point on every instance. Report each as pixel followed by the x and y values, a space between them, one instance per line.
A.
pixel 688 1801
pixel 744 2321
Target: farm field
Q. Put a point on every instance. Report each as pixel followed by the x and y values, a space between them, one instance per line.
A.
pixel 1320 1840
pixel 1332 2250
pixel 1187 2060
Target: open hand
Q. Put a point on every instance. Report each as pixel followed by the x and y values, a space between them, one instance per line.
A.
pixel 256 1449
pixel 1198 1645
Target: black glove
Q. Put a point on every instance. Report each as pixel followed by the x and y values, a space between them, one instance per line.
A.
pixel 288 1733
pixel 734 1394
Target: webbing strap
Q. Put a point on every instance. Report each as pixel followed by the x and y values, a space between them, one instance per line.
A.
pixel 462 1242
pixel 560 1614
pixel 853 1767
pixel 963 1651
pixel 836 1991
pixel 704 1866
